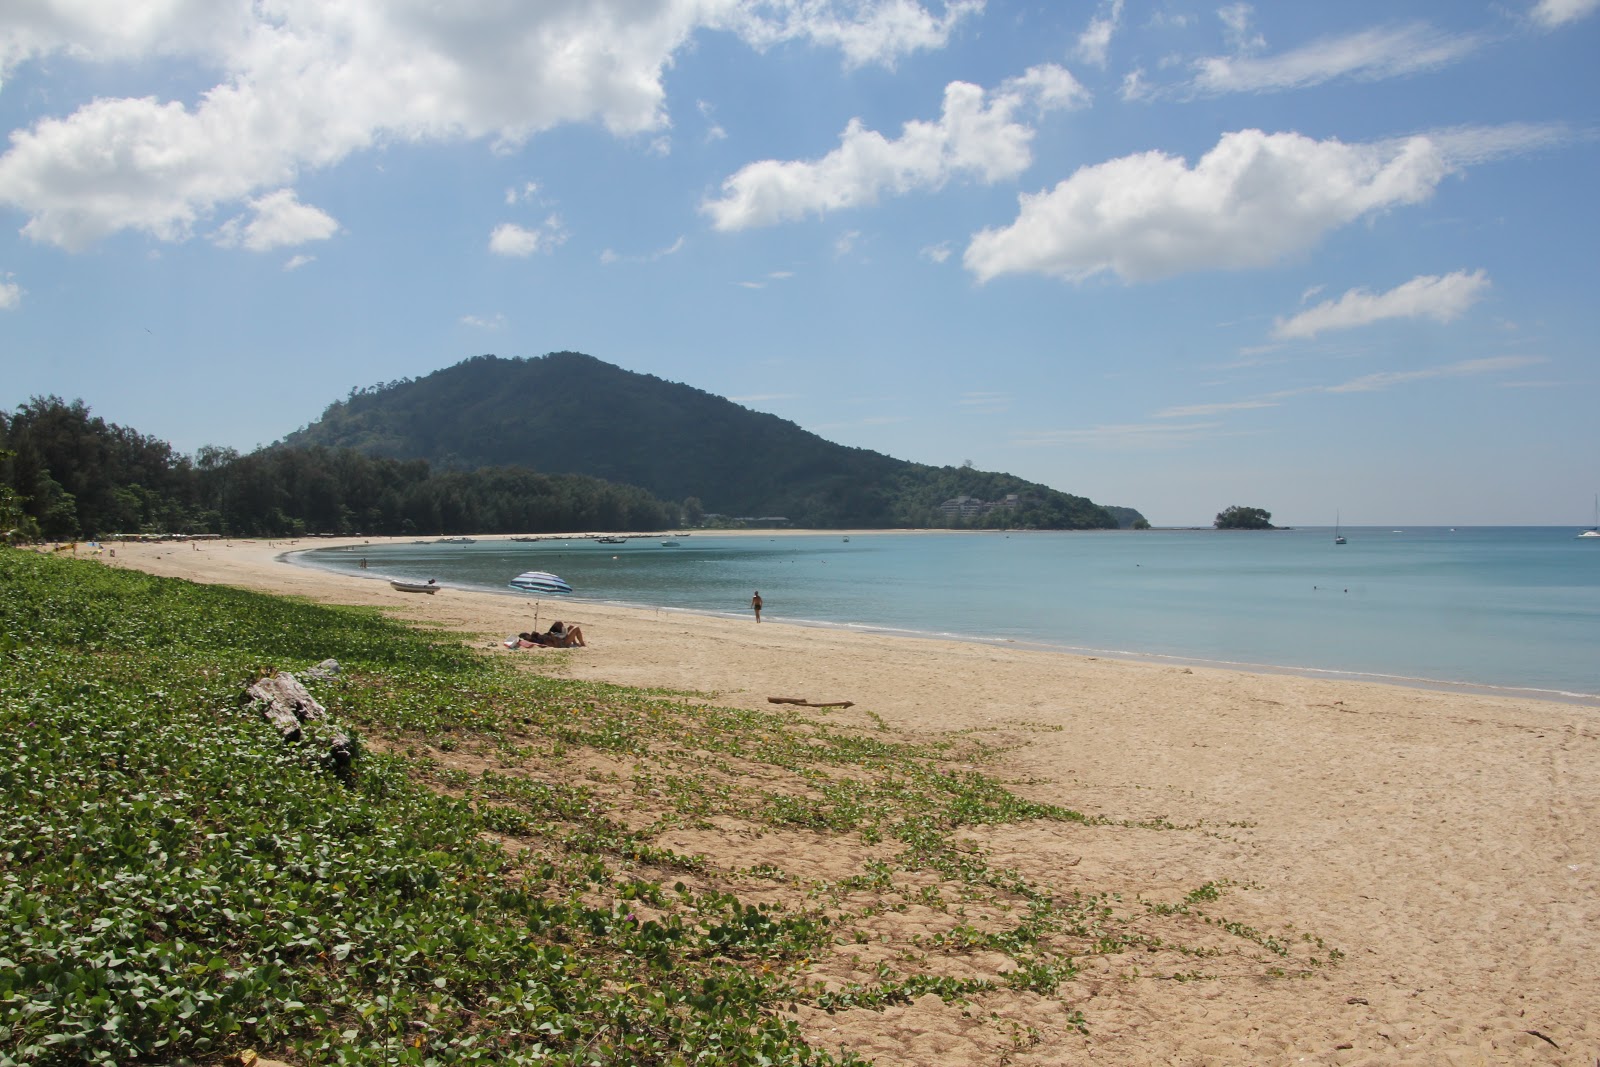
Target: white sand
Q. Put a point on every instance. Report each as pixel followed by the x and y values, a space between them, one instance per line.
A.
pixel 1448 842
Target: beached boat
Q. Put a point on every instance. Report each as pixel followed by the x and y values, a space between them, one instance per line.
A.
pixel 415 587
pixel 454 541
pixel 540 582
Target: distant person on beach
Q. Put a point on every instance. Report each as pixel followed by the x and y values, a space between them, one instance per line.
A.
pixel 755 602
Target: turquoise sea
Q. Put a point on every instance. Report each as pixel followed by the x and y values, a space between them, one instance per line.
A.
pixel 1485 607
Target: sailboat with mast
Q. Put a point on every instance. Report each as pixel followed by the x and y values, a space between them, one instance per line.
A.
pixel 1338 538
pixel 1594 531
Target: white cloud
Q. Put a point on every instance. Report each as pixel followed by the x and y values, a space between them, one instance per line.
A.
pixel 866 31
pixel 296 262
pixel 1126 436
pixel 1442 298
pixel 10 295
pixel 1095 41
pixel 936 253
pixel 1189 411
pixel 976 136
pixel 509 239
pixel 279 220
pixel 985 403
pixel 484 322
pixel 1250 201
pixel 1236 27
pixel 845 243
pixel 1552 13
pixel 609 256
pixel 528 191
pixel 1372 383
pixel 305 83
pixel 1370 54
pixel 772 276
pixel 1366 383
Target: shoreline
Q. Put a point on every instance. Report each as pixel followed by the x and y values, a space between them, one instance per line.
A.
pixel 1447 843
pixel 1443 685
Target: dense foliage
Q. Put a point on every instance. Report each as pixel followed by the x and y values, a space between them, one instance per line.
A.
pixel 572 413
pixel 464 451
pixel 178 883
pixel 1241 518
pixel 74 475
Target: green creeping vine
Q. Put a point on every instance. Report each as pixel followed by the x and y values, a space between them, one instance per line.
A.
pixel 483 884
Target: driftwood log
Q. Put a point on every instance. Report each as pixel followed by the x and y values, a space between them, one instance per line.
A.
pixel 284 703
pixel 804 703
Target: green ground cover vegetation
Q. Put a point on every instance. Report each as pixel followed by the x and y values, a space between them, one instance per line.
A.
pixel 491 879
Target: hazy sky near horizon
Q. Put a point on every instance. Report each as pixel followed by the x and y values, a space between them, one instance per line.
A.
pixel 1315 258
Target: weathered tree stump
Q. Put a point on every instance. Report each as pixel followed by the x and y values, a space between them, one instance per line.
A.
pixel 285 703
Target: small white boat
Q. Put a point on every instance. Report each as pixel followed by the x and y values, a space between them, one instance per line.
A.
pixel 612 540
pixel 1594 531
pixel 540 582
pixel 1338 538
pixel 429 586
pixel 669 544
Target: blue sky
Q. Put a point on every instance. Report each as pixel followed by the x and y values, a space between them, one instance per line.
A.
pixel 1315 258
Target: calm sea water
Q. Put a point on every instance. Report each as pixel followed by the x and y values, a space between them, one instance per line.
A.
pixel 1502 607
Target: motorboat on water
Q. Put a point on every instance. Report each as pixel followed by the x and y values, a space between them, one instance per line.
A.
pixel 613 540
pixel 540 582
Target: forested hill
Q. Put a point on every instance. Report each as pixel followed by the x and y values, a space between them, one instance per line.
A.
pixel 568 413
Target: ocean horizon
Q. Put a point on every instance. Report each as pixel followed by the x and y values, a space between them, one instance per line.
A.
pixel 1503 609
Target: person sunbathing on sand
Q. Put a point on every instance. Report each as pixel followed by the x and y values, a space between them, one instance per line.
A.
pixel 560 635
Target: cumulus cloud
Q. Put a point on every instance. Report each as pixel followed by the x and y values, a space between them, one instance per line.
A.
pixel 865 31
pixel 484 322
pixel 278 220
pixel 296 262
pixel 1441 298
pixel 509 239
pixel 305 83
pixel 1552 13
pixel 10 295
pixel 1095 41
pixel 977 136
pixel 1250 201
pixel 1373 54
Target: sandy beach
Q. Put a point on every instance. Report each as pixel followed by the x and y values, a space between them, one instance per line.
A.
pixel 1447 843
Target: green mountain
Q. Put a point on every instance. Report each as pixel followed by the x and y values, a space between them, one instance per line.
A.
pixel 568 413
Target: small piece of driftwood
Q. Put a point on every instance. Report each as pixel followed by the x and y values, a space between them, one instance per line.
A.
pixel 285 703
pixel 804 703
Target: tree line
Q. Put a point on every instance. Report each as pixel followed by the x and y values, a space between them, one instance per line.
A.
pixel 68 474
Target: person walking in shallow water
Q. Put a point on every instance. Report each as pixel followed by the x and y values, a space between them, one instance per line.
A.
pixel 755 602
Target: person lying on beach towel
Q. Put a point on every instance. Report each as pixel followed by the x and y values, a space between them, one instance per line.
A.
pixel 559 635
